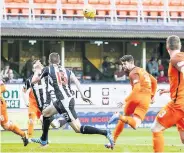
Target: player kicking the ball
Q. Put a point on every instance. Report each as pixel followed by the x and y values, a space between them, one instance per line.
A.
pixel 137 103
pixel 61 79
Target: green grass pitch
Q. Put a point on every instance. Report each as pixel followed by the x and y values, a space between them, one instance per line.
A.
pixel 139 140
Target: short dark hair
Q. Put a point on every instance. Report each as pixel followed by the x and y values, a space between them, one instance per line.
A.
pixel 127 58
pixel 173 42
pixel 34 62
pixel 54 58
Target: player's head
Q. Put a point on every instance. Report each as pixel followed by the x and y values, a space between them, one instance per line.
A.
pixel 54 58
pixel 173 43
pixel 127 62
pixel 37 65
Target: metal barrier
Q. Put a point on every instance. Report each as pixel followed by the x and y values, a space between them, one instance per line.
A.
pixel 115 13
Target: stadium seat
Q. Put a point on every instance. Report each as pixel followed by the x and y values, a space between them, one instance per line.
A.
pixel 117 2
pixel 17 7
pixel 155 2
pixel 105 2
pixel 81 1
pixel 93 1
pixel 133 2
pixel 63 1
pixel 50 1
pixel 72 1
pixel 175 2
pixel 101 13
pixel 122 13
pixel 124 2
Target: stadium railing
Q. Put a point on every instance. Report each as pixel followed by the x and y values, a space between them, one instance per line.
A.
pixel 107 10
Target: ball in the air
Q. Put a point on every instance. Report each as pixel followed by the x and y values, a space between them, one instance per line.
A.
pixel 89 11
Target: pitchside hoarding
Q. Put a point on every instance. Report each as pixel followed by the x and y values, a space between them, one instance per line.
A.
pixel 102 95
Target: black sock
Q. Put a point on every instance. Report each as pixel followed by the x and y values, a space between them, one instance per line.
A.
pixel 92 130
pixel 46 124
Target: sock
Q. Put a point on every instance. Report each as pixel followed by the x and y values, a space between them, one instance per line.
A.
pixel 62 122
pixel 129 120
pixel 31 125
pixel 45 128
pixel 119 128
pixel 158 142
pixel 16 130
pixel 92 130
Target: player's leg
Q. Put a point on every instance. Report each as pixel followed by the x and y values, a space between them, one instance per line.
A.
pixel 162 122
pixel 180 126
pixel 31 120
pixel 8 125
pixel 58 122
pixel 71 117
pixel 128 110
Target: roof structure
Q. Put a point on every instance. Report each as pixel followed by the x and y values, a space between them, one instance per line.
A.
pixel 90 30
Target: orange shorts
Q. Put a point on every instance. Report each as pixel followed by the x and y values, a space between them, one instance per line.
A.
pixel 170 115
pixel 4 114
pixel 139 107
pixel 180 125
pixel 33 108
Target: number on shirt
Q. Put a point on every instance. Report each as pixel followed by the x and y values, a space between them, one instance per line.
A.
pixel 162 113
pixel 62 80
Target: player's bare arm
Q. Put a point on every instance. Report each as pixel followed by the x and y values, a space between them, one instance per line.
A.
pixel 77 83
pixel 162 91
pixel 25 95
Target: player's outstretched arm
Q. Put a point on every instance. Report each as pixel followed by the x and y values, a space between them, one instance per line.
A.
pixel 25 95
pixel 162 91
pixel 2 87
pixel 153 85
pixel 78 85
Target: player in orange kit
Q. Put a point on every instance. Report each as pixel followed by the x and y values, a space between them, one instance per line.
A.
pixel 173 112
pixel 143 85
pixel 5 123
pixel 33 110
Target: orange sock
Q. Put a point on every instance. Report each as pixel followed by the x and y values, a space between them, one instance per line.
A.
pixel 31 125
pixel 119 128
pixel 158 142
pixel 16 130
pixel 129 120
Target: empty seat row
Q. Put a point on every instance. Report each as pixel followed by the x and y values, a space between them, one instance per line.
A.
pixel 103 7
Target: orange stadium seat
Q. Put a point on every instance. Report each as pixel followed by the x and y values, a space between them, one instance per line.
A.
pixel 105 2
pixel 155 2
pixel 175 2
pixel 146 2
pixel 7 1
pixel 93 1
pixel 63 1
pixel 117 2
pixel 81 1
pixel 182 2
pixel 17 7
pixel 39 1
pixel 50 7
pixel 124 2
pixel 72 1
pixel 133 2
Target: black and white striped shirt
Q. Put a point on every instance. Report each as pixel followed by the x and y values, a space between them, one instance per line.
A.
pixel 40 91
pixel 60 80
